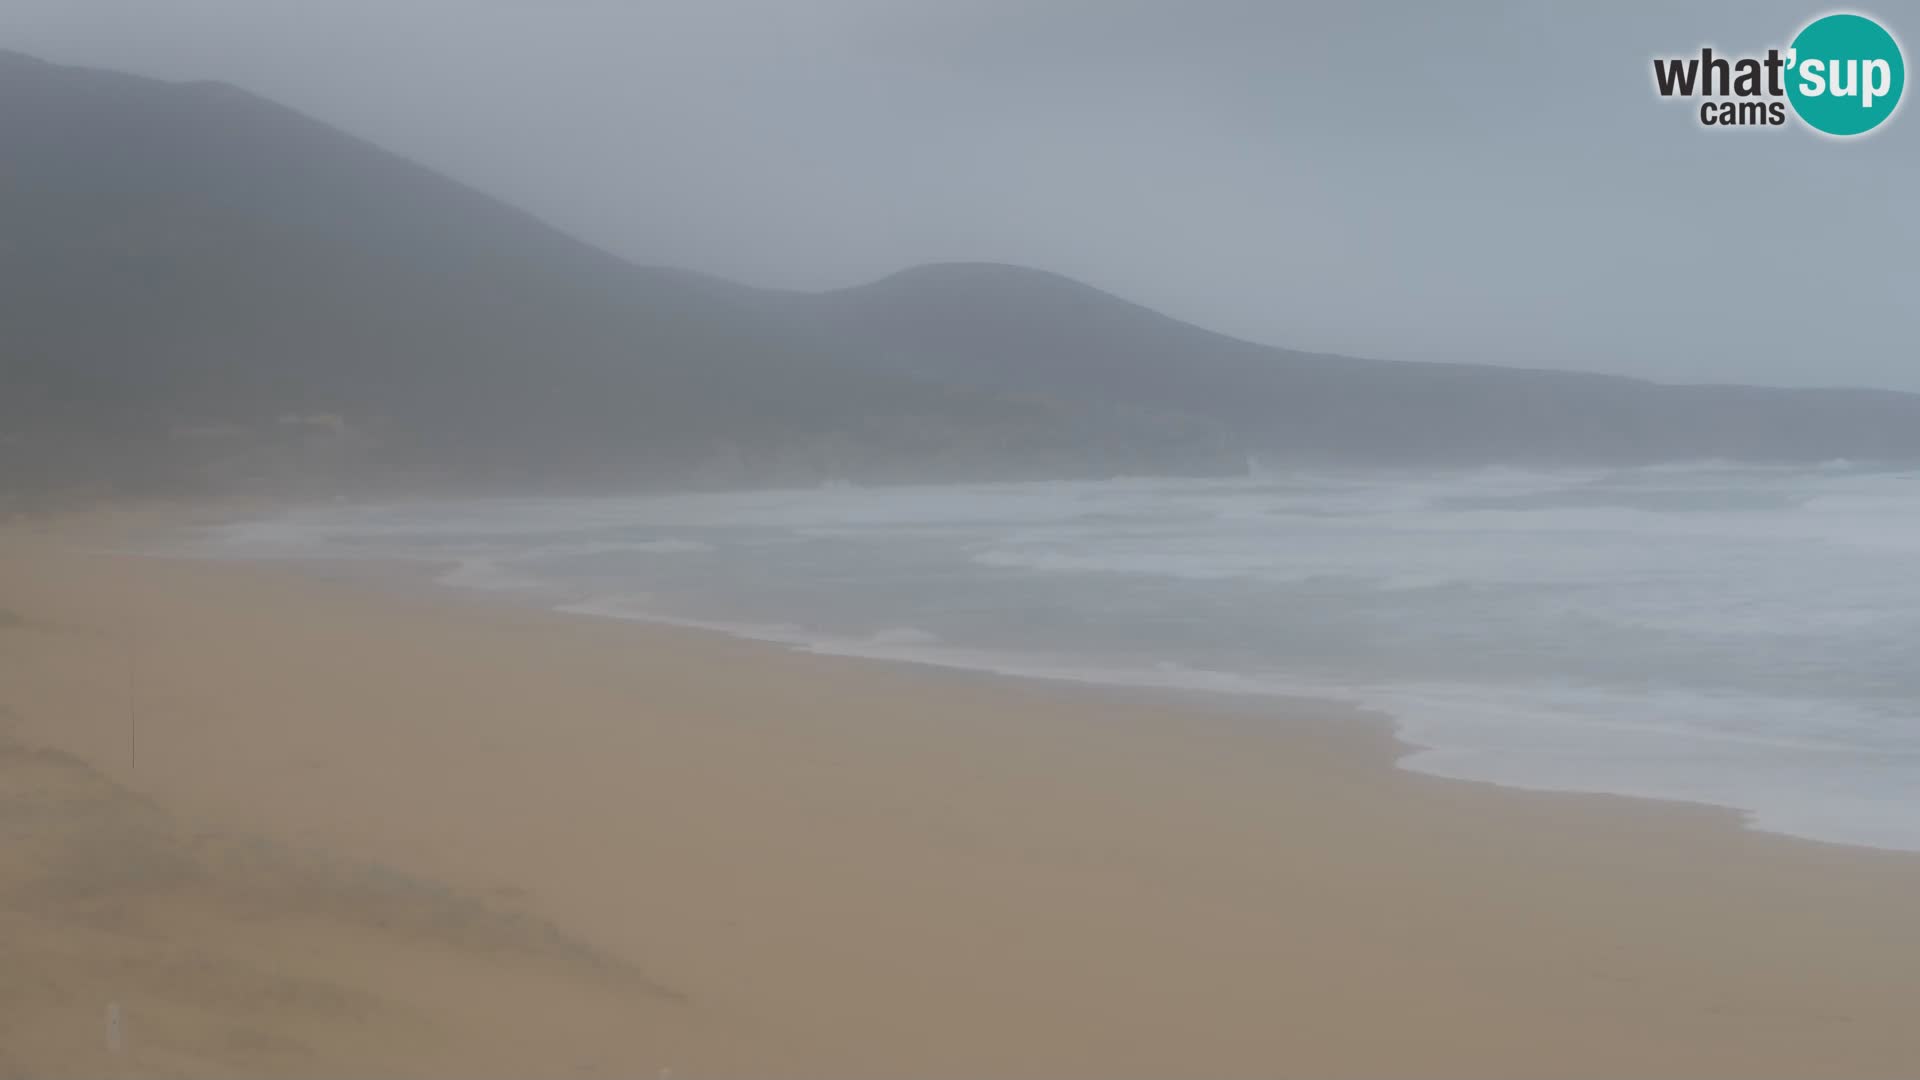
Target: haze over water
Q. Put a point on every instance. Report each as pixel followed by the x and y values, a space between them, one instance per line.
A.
pixel 1735 635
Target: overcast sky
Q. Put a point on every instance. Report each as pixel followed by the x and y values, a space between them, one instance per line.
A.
pixel 1429 181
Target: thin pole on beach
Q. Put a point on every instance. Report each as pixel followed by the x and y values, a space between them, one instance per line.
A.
pixel 133 709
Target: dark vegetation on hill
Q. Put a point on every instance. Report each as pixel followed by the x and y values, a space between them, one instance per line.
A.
pixel 202 289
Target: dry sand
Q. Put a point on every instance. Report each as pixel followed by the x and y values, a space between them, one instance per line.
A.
pixel 379 830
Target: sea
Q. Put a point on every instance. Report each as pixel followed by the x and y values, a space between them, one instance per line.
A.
pixel 1736 635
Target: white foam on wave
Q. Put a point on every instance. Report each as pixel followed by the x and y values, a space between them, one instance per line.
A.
pixel 916 646
pixel 489 575
pixel 639 607
pixel 1764 757
pixel 905 636
pixel 510 573
pixel 893 642
pixel 584 549
pixel 282 535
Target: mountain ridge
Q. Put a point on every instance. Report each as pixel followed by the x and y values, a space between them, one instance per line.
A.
pixel 188 270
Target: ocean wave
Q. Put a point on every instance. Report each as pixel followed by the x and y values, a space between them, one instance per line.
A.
pixel 487 574
pixel 588 549
pixel 1722 633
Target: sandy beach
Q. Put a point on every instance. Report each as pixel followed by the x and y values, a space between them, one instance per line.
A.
pixel 296 821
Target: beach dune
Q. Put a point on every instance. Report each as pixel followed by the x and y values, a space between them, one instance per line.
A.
pixel 295 820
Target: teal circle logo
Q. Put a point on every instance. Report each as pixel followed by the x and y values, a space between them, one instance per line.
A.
pixel 1845 74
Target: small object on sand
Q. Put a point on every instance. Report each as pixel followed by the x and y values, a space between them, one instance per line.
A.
pixel 113 1027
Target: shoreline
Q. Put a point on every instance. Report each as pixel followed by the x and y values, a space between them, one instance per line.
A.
pixel 426 574
pixel 625 847
pixel 422 576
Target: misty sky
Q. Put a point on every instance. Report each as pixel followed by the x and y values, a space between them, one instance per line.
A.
pixel 1457 181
